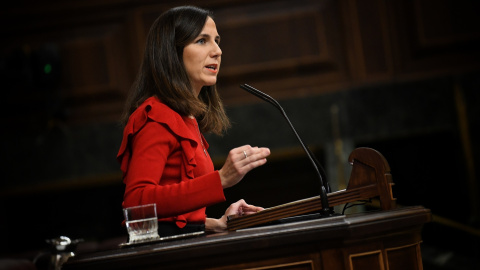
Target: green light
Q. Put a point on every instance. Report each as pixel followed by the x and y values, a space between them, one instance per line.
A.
pixel 47 69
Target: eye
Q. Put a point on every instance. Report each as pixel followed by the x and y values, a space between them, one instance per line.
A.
pixel 201 41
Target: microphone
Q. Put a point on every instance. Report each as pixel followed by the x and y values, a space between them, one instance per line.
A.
pixel 326 210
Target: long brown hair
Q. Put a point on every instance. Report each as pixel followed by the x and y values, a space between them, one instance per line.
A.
pixel 162 73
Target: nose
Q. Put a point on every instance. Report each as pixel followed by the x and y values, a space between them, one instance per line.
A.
pixel 216 51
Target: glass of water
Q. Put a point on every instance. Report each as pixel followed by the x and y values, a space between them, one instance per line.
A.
pixel 142 223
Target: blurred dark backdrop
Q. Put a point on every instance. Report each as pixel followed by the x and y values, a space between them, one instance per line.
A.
pixel 402 77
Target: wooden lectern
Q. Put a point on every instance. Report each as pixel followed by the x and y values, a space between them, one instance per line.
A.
pixel 388 238
pixel 370 177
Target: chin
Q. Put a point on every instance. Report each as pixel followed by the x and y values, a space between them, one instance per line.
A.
pixel 211 83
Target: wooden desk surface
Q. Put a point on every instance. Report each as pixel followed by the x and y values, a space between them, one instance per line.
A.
pixel 340 242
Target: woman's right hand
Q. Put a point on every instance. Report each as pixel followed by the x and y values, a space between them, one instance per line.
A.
pixel 240 161
pixel 239 208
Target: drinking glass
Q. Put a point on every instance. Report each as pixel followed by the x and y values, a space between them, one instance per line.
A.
pixel 142 223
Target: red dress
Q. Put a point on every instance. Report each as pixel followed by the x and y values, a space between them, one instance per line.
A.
pixel 164 161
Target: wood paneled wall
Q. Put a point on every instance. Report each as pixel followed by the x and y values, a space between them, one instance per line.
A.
pixel 289 49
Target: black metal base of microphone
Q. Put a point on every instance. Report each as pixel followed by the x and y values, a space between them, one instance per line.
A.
pixel 329 212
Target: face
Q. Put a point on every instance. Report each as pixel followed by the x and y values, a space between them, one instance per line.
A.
pixel 202 57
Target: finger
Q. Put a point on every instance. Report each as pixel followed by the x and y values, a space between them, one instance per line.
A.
pixel 250 165
pixel 251 209
pixel 241 153
pixel 234 208
pixel 247 151
pixel 247 206
pixel 240 203
pixel 254 154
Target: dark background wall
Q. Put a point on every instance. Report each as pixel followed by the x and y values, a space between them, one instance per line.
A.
pixel 401 77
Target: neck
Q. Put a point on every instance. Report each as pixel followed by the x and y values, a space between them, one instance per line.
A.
pixel 196 89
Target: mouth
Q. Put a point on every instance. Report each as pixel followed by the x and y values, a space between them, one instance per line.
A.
pixel 212 67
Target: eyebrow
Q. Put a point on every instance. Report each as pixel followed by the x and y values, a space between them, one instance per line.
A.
pixel 207 36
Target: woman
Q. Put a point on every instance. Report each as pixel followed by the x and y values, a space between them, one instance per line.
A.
pixel 173 101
